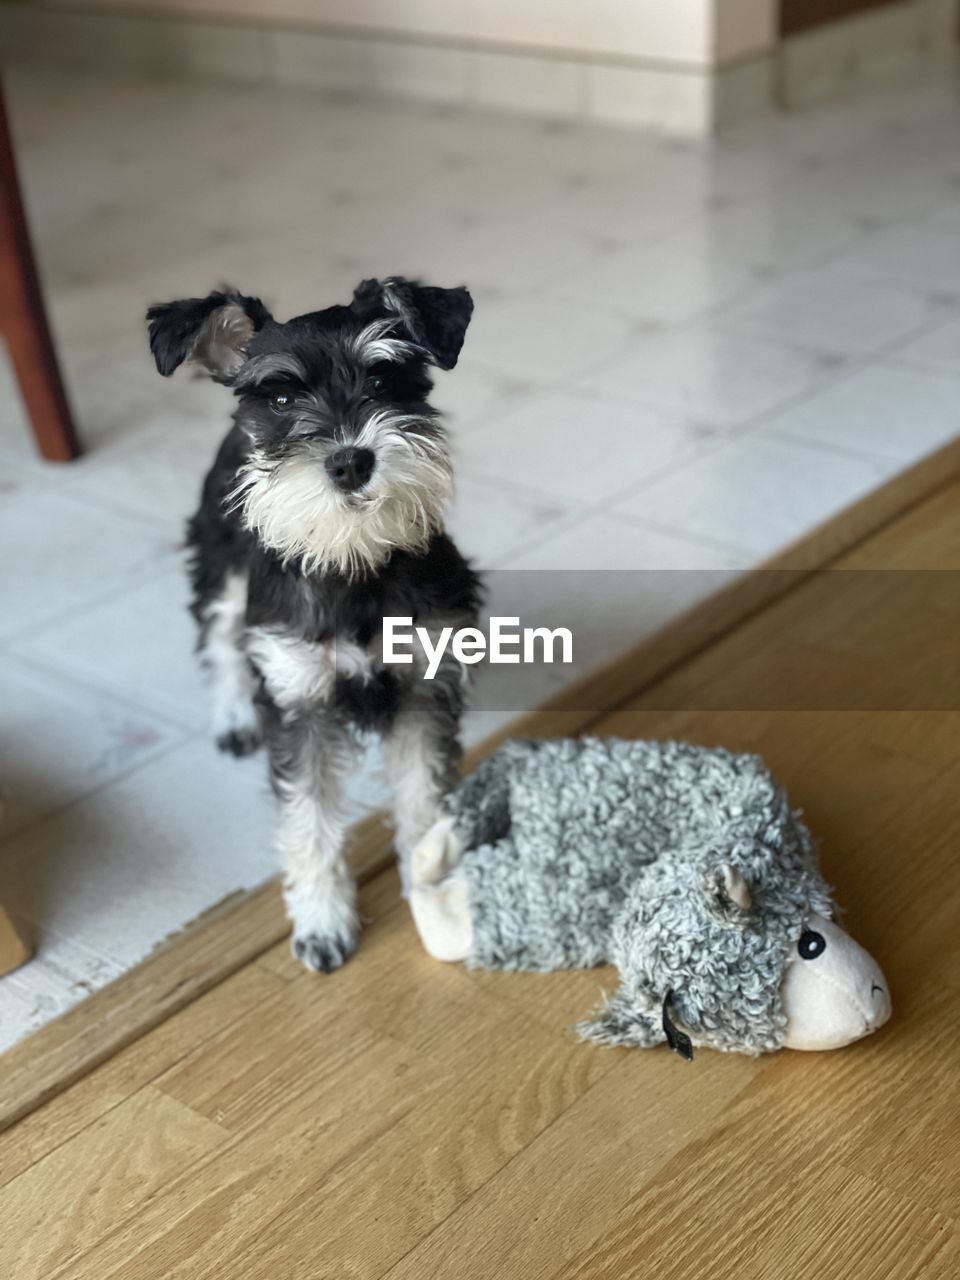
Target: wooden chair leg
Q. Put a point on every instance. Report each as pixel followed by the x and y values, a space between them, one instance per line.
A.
pixel 23 319
pixel 14 949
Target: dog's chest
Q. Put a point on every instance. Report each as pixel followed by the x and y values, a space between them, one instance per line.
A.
pixel 297 671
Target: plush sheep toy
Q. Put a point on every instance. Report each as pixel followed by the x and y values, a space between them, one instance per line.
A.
pixel 684 866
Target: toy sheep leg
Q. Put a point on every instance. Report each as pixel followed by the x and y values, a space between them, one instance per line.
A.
pixel 439 894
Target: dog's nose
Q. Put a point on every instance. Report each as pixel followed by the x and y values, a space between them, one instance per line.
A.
pixel 350 468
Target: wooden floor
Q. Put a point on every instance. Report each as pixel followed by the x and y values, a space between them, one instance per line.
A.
pixel 412 1120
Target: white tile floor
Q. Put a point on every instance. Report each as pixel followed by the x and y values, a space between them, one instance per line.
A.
pixel 682 358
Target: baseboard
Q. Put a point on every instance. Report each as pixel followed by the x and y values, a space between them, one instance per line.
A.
pixel 243 927
pixel 688 101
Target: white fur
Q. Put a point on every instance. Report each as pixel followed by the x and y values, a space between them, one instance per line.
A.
pixel 373 344
pixel 296 671
pixel 225 662
pixel 295 509
pixel 318 889
pixel 273 363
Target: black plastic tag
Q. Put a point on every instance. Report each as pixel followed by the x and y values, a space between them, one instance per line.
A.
pixel 678 1040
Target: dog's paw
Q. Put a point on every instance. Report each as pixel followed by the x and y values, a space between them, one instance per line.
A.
pixel 239 742
pixel 323 952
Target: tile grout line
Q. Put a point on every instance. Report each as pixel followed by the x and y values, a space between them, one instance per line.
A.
pixel 91 688
pixel 58 810
pixel 129 578
pixel 750 426
pixel 846 451
pixel 699 540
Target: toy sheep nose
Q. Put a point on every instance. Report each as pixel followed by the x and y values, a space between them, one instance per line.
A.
pixel 350 468
pixel 879 1006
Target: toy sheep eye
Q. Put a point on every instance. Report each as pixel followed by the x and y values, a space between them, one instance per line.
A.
pixel 281 401
pixel 811 944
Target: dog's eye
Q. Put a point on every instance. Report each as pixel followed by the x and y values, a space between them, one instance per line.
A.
pixel 811 944
pixel 375 384
pixel 280 401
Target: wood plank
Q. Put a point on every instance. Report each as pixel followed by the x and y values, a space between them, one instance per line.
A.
pixel 926 537
pixel 732 1189
pixel 550 1201
pixel 782 1187
pixel 438 1090
pixel 752 1200
pixel 72 1111
pixel 55 1056
pixel 77 1194
pixel 248 926
pixel 412 1119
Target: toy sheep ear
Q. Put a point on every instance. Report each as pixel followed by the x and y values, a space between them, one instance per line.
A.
pixel 725 893
pixel 435 320
pixel 213 331
pixel 625 1020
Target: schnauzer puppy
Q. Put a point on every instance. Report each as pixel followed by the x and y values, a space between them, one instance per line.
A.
pixel 323 514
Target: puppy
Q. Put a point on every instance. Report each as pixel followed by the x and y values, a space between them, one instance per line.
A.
pixel 322 514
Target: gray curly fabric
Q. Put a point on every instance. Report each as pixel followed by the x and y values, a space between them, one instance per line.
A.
pixel 589 850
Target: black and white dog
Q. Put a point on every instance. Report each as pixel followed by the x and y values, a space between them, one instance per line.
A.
pixel 323 514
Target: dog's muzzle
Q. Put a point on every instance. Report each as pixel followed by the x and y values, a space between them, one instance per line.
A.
pixel 350 468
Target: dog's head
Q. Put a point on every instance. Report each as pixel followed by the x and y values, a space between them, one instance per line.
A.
pixel 348 461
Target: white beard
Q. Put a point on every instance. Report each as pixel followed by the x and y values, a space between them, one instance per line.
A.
pixel 294 509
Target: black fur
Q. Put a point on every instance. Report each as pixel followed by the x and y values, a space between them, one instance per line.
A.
pixel 435 319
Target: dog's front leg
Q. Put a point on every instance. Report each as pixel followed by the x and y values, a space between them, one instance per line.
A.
pixel 422 754
pixel 311 755
pixel 222 655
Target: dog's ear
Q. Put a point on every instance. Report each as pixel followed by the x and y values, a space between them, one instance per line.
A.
pixel 213 331
pixel 433 319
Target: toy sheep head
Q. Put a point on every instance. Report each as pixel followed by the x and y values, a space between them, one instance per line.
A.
pixel 732 953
